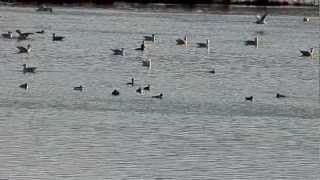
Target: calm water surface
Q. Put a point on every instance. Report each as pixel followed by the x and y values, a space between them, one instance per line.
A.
pixel 201 129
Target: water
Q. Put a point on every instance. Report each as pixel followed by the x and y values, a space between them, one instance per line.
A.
pixel 201 129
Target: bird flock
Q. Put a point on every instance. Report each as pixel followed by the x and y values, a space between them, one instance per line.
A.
pixel 21 36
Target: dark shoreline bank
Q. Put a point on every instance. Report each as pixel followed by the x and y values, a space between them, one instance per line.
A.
pixel 187 3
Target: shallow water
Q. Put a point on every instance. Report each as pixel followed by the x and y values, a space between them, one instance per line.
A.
pixel 201 129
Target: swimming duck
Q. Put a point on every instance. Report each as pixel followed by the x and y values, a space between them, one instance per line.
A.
pixel 40 32
pixel 7 35
pixel 78 88
pixel 158 96
pixel 28 69
pixel 147 88
pixel 204 45
pixel 23 49
pixel 250 98
pixel 131 83
pixel 307 53
pixel 139 90
pixel 183 41
pixel 115 93
pixel 57 38
pixel 146 63
pixel 150 38
pixel 142 47
pixel 24 86
pixel 306 19
pixel 254 42
pixel 118 51
pixel 280 95
pixel 23 36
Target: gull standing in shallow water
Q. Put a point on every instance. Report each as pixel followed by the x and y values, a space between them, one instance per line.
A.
pixel 23 49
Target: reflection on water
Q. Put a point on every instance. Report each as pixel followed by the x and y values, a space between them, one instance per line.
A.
pixel 202 128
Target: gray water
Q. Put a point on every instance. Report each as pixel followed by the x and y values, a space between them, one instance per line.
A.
pixel 202 128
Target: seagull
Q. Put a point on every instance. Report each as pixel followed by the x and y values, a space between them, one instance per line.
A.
pixel 118 51
pixel 146 63
pixel 131 83
pixel 23 49
pixel 250 98
pixel 115 93
pixel 141 48
pixel 254 42
pixel 158 96
pixel 28 69
pixel 147 88
pixel 78 88
pixel 204 45
pixel 24 86
pixel 280 95
pixel 23 36
pixel 183 41
pixel 57 38
pixel 7 35
pixel 150 38
pixel 307 53
pixel 262 19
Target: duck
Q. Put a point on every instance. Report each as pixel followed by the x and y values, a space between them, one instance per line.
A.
pixel 44 9
pixel 249 98
pixel 115 93
pixel 118 51
pixel 146 63
pixel 28 69
pixel 183 41
pixel 23 36
pixel 78 88
pixel 307 53
pixel 131 83
pixel 139 90
pixel 254 42
pixel 158 96
pixel 7 35
pixel 212 71
pixel 306 19
pixel 142 47
pixel 280 95
pixel 150 38
pixel 57 38
pixel 147 88
pixel 204 45
pixel 23 49
pixel 40 32
pixel 261 19
pixel 24 86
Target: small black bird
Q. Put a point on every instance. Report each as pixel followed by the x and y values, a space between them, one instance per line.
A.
pixel 78 88
pixel 131 83
pixel 147 88
pixel 250 98
pixel 24 86
pixel 280 95
pixel 139 90
pixel 57 38
pixel 158 96
pixel 115 93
